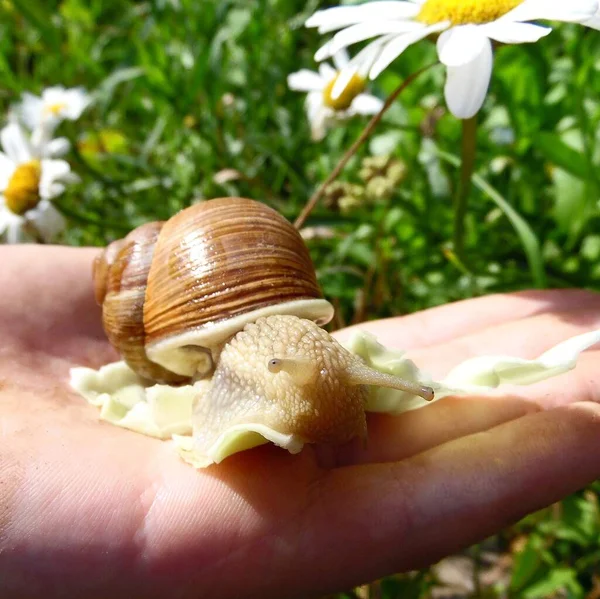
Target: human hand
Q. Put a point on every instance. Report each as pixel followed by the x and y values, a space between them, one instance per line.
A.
pixel 91 510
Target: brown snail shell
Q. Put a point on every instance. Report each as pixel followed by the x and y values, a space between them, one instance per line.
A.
pixel 120 276
pixel 173 293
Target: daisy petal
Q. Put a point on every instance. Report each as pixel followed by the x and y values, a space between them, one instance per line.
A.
pixel 467 85
pixel 47 220
pixel 342 81
pixel 327 72
pixel 593 23
pixel 514 33
pixel 366 104
pixel 364 60
pixel 573 11
pixel 343 16
pixel 58 147
pixel 15 143
pixel 7 168
pixel 364 31
pixel 341 59
pixel 323 52
pixel 398 44
pixel 12 226
pixel 461 45
pixel 317 115
pixel 305 81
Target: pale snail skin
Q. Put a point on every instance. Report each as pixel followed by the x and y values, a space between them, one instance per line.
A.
pixel 226 289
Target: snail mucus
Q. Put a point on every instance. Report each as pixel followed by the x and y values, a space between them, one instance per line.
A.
pixel 222 300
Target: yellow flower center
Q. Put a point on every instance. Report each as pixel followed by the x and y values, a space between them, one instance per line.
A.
pixel 464 12
pixel 23 190
pixel 355 86
pixel 55 109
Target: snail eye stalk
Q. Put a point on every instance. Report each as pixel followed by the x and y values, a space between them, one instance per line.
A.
pixel 301 370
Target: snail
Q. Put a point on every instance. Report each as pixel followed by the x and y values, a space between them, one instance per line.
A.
pixel 225 291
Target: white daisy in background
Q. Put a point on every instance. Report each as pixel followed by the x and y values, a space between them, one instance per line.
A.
pixel 42 114
pixel 27 184
pixel 56 104
pixel 467 28
pixel 322 108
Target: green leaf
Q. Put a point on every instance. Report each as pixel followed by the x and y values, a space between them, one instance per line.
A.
pixel 554 149
pixel 35 12
pixel 570 202
pixel 527 563
pixel 529 241
pixel 107 88
pixel 556 580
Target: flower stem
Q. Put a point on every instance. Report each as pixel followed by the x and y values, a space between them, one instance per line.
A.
pixel 468 148
pixel 312 202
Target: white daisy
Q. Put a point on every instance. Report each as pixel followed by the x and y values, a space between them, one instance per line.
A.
pixel 594 22
pixel 27 184
pixel 467 29
pixel 53 106
pixel 322 108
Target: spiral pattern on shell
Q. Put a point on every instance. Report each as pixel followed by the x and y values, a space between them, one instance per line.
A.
pixel 120 276
pixel 193 282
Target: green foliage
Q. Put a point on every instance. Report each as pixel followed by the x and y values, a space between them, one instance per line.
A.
pixel 191 102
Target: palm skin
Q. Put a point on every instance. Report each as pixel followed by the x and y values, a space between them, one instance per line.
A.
pixel 91 510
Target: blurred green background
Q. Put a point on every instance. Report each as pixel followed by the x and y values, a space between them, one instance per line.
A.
pixel 191 102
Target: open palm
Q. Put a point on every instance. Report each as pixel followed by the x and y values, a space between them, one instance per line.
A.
pixel 91 510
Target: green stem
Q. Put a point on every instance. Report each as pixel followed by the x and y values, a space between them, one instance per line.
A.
pixel 468 149
pixel 312 202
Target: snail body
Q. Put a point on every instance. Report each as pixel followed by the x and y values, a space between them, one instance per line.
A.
pixel 226 290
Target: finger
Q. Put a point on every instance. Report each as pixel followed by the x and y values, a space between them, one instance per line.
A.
pixel 47 287
pixel 47 301
pixel 527 338
pixel 397 437
pixel 407 515
pixel 394 438
pixel 458 319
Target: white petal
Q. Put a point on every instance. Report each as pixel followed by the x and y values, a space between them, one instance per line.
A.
pixel 7 168
pixel 31 110
pixel 366 104
pixel 343 16
pixel 318 124
pixel 76 100
pixel 11 225
pixel 553 10
pixel 40 137
pixel 368 29
pixel 15 144
pixel 344 77
pixel 461 45
pixel 594 22
pixel 398 44
pixel 364 60
pixel 341 59
pixel 324 51
pixel 58 147
pixel 467 85
pixel 47 220
pixel 327 72
pixel 305 81
pixel 54 172
pixel 509 32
